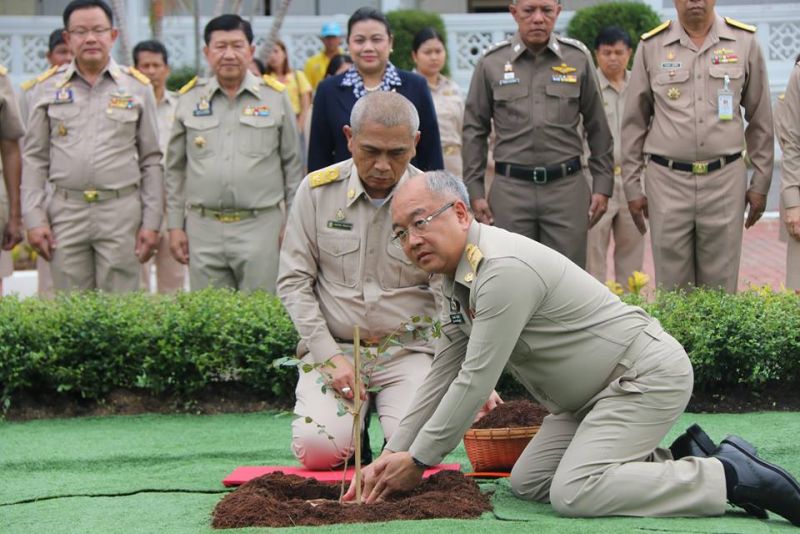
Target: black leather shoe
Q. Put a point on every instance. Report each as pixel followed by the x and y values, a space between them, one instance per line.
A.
pixel 693 442
pixel 758 483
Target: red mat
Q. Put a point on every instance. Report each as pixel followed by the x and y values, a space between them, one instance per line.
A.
pixel 242 474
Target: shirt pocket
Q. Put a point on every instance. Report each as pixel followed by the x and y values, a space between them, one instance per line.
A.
pixel 123 122
pixel 258 136
pixel 201 136
pixel 65 123
pixel 512 105
pixel 339 258
pixel 716 81
pixel 673 83
pixel 398 271
pixel 562 103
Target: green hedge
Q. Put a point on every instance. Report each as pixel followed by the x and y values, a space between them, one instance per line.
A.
pixel 634 17
pixel 90 344
pixel 405 24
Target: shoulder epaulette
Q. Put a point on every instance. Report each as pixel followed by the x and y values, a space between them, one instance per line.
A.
pixel 186 88
pixel 574 42
pixel 3 70
pixel 272 82
pixel 741 25
pixel 474 256
pixel 324 176
pixel 27 85
pixel 496 46
pixel 136 73
pixel 655 31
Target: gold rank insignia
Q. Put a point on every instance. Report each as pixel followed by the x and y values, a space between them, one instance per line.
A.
pixel 323 176
pixel 507 67
pixel 340 214
pixel 202 108
pixel 671 55
pixel 474 256
pixel 469 277
pixel 200 141
pixel 674 93
pixel 351 194
pixel 564 69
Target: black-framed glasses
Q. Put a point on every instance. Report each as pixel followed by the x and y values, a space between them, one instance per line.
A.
pixel 418 227
pixel 83 32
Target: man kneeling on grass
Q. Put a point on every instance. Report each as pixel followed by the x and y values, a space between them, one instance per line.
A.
pixel 614 381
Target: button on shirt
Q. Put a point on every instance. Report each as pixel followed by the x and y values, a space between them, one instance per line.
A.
pixel 338 267
pixel 82 136
pixel 676 84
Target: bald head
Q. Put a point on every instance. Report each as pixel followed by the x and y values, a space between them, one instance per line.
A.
pixel 386 109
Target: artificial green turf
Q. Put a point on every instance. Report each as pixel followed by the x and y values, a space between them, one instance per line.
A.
pixel 115 455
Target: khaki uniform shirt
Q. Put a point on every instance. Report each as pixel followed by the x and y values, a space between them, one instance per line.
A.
pixel 614 103
pixel 537 102
pixel 338 268
pixel 789 131
pixel 166 115
pixel 10 124
pixel 675 84
pixel 239 153
pixel 92 137
pixel 526 307
pixel 449 106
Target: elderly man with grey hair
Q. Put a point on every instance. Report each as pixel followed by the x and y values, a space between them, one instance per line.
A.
pixel 338 269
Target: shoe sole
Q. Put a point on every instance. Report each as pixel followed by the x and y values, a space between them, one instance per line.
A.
pixel 741 445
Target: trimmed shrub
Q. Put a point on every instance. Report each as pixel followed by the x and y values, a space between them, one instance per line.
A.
pixel 180 77
pixel 634 17
pixel 405 24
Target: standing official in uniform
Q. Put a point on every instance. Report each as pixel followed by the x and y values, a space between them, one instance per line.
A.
pixel 233 157
pixel 537 87
pixel 613 380
pixel 92 134
pixel 689 81
pixel 10 156
pixel 152 60
pixel 338 270
pixel 612 48
pixel 787 125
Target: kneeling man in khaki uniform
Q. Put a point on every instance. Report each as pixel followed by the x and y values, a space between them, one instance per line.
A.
pixel 614 381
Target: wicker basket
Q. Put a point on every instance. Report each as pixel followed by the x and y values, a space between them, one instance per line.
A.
pixel 496 449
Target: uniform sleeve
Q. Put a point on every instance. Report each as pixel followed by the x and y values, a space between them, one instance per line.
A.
pixel 507 294
pixel 450 351
pixel 10 123
pixel 291 162
pixel 790 175
pixel 297 275
pixel 759 133
pixel 150 164
pixel 175 173
pixel 429 149
pixel 475 133
pixel 35 162
pixel 635 123
pixel 598 133
pixel 321 141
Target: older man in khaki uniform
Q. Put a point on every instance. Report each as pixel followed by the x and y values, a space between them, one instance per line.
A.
pixel 613 51
pixel 338 269
pixel 787 126
pixel 536 88
pixel 10 165
pixel 614 381
pixel 233 156
pixel 92 134
pixel 690 80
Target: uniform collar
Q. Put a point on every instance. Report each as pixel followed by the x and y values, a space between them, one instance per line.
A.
pixel 719 30
pixel 465 274
pixel 170 98
pixel 355 187
pixel 518 47
pixel 112 69
pixel 250 83
pixel 605 84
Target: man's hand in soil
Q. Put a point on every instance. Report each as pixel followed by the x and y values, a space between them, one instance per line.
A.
pixel 491 403
pixel 391 473
pixel 342 377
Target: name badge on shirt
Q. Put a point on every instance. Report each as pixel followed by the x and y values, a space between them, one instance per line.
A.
pixel 725 101
pixel 64 96
pixel 202 108
pixel 455 315
pixel 340 225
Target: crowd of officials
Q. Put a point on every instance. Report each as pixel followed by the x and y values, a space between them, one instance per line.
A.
pixel 117 172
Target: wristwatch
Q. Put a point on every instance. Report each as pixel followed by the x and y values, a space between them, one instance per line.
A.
pixel 420 464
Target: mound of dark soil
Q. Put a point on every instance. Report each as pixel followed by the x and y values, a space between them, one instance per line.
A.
pixel 278 500
pixel 513 414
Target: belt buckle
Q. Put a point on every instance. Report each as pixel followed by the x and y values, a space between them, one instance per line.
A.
pixel 544 175
pixel 699 168
pixel 91 195
pixel 227 217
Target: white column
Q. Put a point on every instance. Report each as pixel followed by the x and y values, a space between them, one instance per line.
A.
pixel 137 18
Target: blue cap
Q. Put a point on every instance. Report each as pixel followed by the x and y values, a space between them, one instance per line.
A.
pixel 331 29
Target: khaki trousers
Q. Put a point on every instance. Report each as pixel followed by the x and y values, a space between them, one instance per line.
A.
pixel 554 214
pixel 628 242
pixel 95 243
pixel 399 376
pixel 696 225
pixel 241 255
pixel 603 459
pixel 170 273
pixel 44 278
pixel 793 263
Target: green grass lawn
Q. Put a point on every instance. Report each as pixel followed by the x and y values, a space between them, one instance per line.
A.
pixel 149 474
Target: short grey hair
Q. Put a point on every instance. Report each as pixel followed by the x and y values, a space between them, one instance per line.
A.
pixel 385 108
pixel 448 185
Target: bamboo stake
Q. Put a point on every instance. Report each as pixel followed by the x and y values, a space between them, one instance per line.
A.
pixel 357 408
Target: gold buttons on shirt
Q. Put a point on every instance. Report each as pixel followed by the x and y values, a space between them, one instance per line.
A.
pixel 200 141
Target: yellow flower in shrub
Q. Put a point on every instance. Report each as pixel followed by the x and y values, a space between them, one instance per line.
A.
pixel 615 287
pixel 637 281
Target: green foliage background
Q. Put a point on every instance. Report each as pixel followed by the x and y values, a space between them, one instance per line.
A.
pixel 405 24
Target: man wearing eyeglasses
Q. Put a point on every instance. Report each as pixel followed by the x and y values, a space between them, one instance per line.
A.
pixel 614 381
pixel 93 136
pixel 339 268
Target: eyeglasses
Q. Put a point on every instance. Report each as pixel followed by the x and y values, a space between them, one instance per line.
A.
pixel 83 32
pixel 418 227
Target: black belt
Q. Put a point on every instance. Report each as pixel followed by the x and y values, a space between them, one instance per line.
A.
pixel 698 167
pixel 539 175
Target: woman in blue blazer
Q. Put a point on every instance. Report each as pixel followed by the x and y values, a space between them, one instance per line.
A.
pixel 369 40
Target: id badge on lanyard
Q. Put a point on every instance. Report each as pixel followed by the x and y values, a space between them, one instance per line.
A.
pixel 725 100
